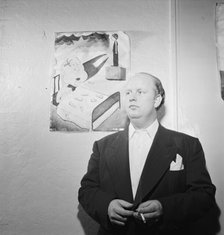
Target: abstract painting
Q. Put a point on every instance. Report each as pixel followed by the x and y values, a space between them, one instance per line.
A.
pixel 220 43
pixel 89 72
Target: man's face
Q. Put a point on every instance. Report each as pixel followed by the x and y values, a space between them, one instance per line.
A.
pixel 139 98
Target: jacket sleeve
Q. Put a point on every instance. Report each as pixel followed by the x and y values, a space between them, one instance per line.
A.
pixel 92 198
pixel 198 198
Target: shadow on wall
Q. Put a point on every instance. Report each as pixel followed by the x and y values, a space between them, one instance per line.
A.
pixel 89 226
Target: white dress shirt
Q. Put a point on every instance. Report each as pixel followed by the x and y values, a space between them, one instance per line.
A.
pixel 140 142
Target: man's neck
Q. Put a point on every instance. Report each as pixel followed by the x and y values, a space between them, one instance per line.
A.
pixel 139 124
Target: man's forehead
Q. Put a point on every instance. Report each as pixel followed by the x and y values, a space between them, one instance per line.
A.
pixel 140 79
pixel 142 75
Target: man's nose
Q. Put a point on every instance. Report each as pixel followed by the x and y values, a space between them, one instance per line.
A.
pixel 133 97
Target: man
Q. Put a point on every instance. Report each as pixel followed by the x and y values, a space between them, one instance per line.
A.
pixel 146 179
pixel 115 50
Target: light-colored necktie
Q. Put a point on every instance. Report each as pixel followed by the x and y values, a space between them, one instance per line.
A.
pixel 140 145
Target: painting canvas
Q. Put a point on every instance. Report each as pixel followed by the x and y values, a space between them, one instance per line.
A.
pixel 89 72
pixel 220 43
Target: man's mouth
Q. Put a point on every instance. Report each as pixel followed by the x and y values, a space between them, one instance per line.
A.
pixel 132 106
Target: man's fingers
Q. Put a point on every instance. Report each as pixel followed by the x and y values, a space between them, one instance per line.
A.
pixel 145 204
pixel 147 209
pixel 150 207
pixel 117 222
pixel 152 215
pixel 118 211
pixel 121 211
pixel 118 217
pixel 125 204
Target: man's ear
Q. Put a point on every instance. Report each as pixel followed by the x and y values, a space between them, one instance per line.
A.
pixel 158 100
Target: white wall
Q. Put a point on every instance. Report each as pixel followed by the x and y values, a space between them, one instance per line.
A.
pixel 40 171
pixel 200 108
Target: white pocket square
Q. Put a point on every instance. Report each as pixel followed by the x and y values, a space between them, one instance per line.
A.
pixel 177 165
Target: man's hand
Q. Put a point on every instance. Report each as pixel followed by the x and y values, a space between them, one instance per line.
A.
pixel 149 210
pixel 118 211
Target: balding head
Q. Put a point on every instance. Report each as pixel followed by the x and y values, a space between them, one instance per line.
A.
pixel 144 95
pixel 157 83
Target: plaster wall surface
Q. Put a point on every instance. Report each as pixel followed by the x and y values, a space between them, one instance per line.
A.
pixel 40 171
pixel 200 106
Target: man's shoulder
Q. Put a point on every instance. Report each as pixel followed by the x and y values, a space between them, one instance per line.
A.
pixel 179 136
pixel 177 133
pixel 112 137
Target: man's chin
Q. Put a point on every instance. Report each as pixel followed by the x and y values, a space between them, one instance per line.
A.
pixel 134 116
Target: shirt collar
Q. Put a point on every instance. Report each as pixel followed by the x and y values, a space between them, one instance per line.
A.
pixel 151 130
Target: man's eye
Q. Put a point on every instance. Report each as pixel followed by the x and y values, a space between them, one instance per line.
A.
pixel 128 93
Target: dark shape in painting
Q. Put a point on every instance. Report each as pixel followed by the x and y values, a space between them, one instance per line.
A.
pixel 90 68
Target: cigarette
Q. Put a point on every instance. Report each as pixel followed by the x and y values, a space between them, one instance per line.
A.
pixel 143 218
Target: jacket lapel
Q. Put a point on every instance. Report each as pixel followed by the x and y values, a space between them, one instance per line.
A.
pixel 162 152
pixel 118 163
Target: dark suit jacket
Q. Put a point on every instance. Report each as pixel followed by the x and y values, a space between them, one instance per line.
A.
pixel 185 195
